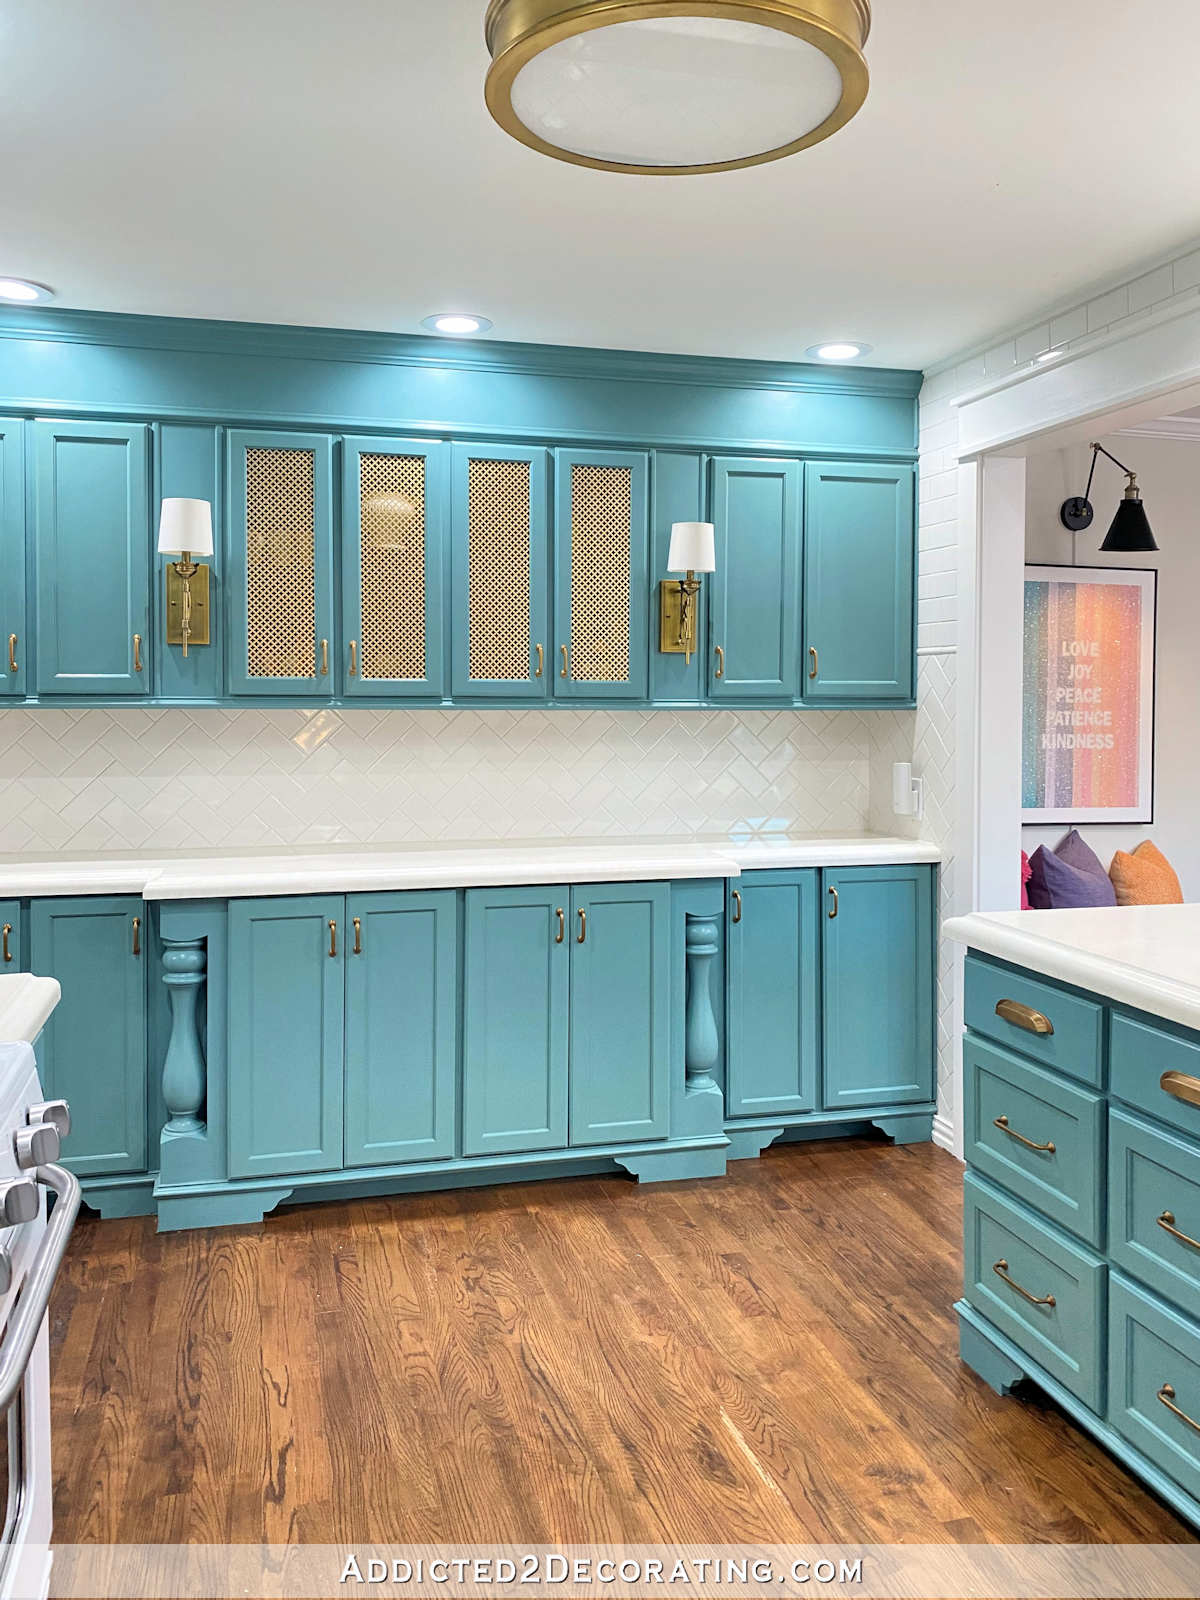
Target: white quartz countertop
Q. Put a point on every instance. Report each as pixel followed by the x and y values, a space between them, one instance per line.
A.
pixel 220 874
pixel 1147 957
pixel 25 1004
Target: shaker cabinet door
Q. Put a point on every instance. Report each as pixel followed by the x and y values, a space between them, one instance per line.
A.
pixel 755 589
pixel 774 961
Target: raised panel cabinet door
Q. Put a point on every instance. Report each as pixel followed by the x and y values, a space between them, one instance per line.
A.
pixel 500 640
pixel 93 1051
pixel 620 1024
pixel 11 942
pixel 92 549
pixel 859 563
pixel 602 555
pixel 286 1013
pixel 755 590
pixel 280 518
pixel 516 982
pixel 12 557
pixel 774 1016
pixel 393 542
pixel 401 1015
pixel 877 963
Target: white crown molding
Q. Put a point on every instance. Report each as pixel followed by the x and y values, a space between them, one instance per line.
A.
pixel 1185 428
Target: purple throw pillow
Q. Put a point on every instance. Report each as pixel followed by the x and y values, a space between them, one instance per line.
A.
pixel 1077 853
pixel 1055 885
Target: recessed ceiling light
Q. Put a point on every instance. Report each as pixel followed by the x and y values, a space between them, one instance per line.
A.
pixel 458 324
pixel 838 350
pixel 21 291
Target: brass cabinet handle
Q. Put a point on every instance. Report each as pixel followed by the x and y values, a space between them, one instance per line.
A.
pixel 324 658
pixel 137 652
pixel 353 657
pixel 1002 1124
pixel 1167 1395
pixel 12 652
pixel 1024 1017
pixel 562 925
pixel 1166 1222
pixel 720 672
pixel 5 936
pixel 563 648
pixel 1000 1268
pixel 737 906
pixel 833 910
pixel 816 662
pixel 137 936
pixel 358 936
pixel 541 655
pixel 332 937
pixel 1181 1086
pixel 582 934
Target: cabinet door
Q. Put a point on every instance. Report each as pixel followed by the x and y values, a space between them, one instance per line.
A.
pixel 774 961
pixel 93 1050
pixel 602 553
pixel 401 1011
pixel 755 589
pixel 11 945
pixel 286 1004
pixel 620 983
pixel 281 564
pixel 515 1020
pixel 393 539
pixel 501 561
pixel 858 583
pixel 878 986
pixel 92 545
pixel 12 557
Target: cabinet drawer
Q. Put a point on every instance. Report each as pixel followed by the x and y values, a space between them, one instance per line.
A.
pixel 1154 1358
pixel 1076 1045
pixel 1040 1137
pixel 1155 1070
pixel 1154 1188
pixel 1056 1314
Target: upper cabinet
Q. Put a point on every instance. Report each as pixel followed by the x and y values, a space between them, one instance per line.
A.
pixel 92 549
pixel 12 557
pixel 500 573
pixel 281 564
pixel 859 563
pixel 602 574
pixel 754 593
pixel 393 536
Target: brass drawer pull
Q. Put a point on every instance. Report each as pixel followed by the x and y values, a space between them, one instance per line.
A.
pixel 563 648
pixel 1167 1395
pixel 5 936
pixel 12 652
pixel 1000 1268
pixel 358 936
pixel 816 662
pixel 720 672
pixel 1167 1223
pixel 562 925
pixel 1002 1124
pixel 1024 1017
pixel 332 938
pixel 137 652
pixel 324 658
pixel 541 655
pixel 833 910
pixel 1182 1086
pixel 581 936
pixel 737 906
pixel 353 658
pixel 137 936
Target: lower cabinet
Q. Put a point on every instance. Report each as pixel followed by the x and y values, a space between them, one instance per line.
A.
pixel 10 937
pixel 773 1044
pixel 93 1051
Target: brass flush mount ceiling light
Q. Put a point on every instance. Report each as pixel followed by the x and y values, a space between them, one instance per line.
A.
pixel 666 87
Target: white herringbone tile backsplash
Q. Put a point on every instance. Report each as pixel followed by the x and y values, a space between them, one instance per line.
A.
pixel 139 778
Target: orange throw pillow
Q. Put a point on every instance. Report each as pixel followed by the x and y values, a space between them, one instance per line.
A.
pixel 1145 878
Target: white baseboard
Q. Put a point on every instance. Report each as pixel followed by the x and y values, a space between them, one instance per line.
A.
pixel 943 1132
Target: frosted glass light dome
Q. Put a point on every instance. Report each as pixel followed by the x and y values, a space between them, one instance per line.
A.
pixel 662 86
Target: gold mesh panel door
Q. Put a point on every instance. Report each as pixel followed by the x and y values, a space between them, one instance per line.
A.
pixel 602 582
pixel 393 516
pixel 500 645
pixel 281 526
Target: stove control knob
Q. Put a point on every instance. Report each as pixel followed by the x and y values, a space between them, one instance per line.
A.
pixel 19 1202
pixel 36 1146
pixel 56 1112
pixel 5 1272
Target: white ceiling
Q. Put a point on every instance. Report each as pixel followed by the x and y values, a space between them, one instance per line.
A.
pixel 334 164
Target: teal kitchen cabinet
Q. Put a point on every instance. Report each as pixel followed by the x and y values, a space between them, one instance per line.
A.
pixel 500 569
pixel 11 945
pixel 401 962
pixel 394 509
pixel 859 563
pixel 601 605
pixel 92 553
pixel 773 1042
pixel 93 1050
pixel 12 556
pixel 620 1023
pixel 756 511
pixel 877 982
pixel 279 632
pixel 286 1015
pixel 515 1019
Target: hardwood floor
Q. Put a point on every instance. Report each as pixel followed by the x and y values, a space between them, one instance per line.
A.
pixel 772 1357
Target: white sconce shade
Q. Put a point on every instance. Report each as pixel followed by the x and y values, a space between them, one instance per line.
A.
pixel 693 547
pixel 185 525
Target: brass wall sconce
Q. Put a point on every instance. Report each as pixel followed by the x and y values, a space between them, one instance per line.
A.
pixel 693 550
pixel 185 531
pixel 1130 532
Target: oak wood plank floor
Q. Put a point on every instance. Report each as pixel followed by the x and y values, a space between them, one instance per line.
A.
pixel 772 1357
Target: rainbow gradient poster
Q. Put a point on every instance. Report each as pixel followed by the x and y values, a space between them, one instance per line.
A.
pixel 1088 716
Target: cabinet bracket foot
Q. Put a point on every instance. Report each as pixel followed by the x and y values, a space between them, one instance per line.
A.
pixel 910 1129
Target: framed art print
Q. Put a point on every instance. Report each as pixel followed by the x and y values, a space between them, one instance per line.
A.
pixel 1088 716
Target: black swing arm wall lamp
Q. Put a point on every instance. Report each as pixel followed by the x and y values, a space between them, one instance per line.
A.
pixel 1130 531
